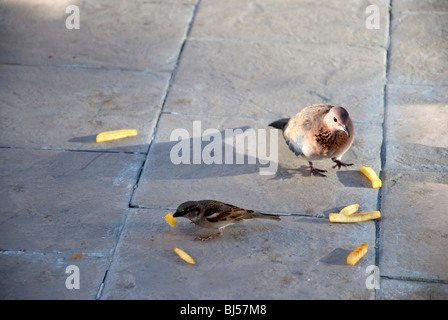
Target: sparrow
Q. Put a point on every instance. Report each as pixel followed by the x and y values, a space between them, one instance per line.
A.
pixel 214 214
pixel 318 132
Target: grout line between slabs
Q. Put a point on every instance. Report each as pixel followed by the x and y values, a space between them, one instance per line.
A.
pixel 111 151
pixel 268 118
pixel 85 66
pixel 383 144
pixel 414 279
pixel 289 42
pixel 168 90
pixel 298 214
pixel 112 253
pixel 130 205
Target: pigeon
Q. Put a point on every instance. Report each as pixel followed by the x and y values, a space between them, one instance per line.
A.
pixel 217 215
pixel 318 132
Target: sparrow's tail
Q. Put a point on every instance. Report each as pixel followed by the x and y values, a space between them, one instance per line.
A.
pixel 280 124
pixel 260 215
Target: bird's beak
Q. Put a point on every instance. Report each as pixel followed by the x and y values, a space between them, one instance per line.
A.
pixel 176 214
pixel 345 129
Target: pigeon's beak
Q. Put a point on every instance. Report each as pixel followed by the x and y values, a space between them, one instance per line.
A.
pixel 345 129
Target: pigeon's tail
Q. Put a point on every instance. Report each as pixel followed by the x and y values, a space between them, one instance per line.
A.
pixel 280 124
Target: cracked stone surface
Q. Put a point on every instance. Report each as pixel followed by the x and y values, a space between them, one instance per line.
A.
pixel 289 188
pixel 296 258
pixel 161 66
pixel 277 81
pixel 128 35
pixel 74 105
pixel 64 201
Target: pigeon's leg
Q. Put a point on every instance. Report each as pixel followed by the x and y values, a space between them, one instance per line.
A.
pixel 340 164
pixel 213 236
pixel 315 171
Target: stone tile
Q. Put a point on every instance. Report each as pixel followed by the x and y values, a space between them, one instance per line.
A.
pixel 289 188
pixel 133 35
pixel 413 290
pixel 415 138
pixel 291 21
pixel 295 258
pixel 418 52
pixel 42 277
pixel 414 238
pixel 65 108
pixel 64 201
pixel 408 6
pixel 172 1
pixel 415 94
pixel 277 80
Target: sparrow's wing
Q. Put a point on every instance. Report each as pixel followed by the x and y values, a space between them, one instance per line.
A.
pixel 222 211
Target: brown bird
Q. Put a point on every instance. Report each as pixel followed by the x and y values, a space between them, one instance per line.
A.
pixel 217 215
pixel 318 132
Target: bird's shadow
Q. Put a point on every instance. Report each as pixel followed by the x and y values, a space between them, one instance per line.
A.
pixel 284 173
pixel 208 155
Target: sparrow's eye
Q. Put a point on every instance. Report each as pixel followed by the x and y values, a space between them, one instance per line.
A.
pixel 335 120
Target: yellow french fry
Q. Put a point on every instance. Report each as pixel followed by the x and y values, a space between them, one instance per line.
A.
pixel 349 210
pixel 357 254
pixel 184 256
pixel 115 135
pixel 371 175
pixel 359 217
pixel 170 219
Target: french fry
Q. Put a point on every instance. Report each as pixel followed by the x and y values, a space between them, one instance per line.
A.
pixel 357 254
pixel 359 217
pixel 349 210
pixel 170 219
pixel 184 256
pixel 116 134
pixel 371 175
pixel 76 256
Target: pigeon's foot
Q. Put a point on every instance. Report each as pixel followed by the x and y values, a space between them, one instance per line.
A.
pixel 316 171
pixel 340 164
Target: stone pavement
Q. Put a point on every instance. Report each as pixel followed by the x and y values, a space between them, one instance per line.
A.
pixel 158 66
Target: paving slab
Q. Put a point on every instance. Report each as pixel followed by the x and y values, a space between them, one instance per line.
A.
pixel 414 238
pixel 69 202
pixel 111 34
pixel 38 276
pixel 266 80
pixel 424 59
pixel 288 188
pixel 295 258
pixel 415 139
pixel 412 290
pixel 243 65
pixel 65 108
pixel 291 21
pixel 411 6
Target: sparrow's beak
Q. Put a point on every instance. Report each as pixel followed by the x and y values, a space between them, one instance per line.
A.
pixel 176 214
pixel 345 129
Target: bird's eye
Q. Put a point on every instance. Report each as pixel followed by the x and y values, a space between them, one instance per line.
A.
pixel 335 120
